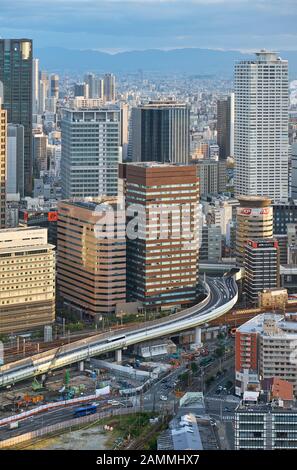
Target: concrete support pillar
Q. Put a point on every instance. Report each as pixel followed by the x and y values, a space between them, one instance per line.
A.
pixel 81 366
pixel 198 336
pixel 118 356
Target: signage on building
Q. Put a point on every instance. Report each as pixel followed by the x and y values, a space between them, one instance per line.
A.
pixel 52 216
pixel 254 212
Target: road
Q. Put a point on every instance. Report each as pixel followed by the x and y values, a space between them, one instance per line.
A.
pixel 222 296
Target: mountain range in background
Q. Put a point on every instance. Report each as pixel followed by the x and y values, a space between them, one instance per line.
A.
pixel 181 61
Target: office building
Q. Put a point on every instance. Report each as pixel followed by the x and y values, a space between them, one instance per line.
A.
pixel 39 154
pixel 3 164
pixel 211 246
pixel 90 152
pixel 265 347
pixel 15 161
pixel 212 176
pixel 44 91
pixel 265 425
pixel 124 130
pixel 284 214
pixel 81 89
pixel 261 127
pixel 55 86
pixel 91 259
pixel 35 83
pixel 262 269
pixel 16 76
pixel 109 88
pixel 254 219
pixel 162 258
pixel 95 86
pixel 160 132
pixel 225 126
pixel 27 293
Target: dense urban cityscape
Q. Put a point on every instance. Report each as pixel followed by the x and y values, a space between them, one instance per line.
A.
pixel 148 256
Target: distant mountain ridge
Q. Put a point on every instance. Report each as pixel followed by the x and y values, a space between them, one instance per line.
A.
pixel 188 61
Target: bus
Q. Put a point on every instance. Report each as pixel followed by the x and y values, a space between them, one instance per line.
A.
pixel 85 410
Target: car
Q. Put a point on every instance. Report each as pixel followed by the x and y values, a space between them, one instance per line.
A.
pixel 226 409
pixel 163 398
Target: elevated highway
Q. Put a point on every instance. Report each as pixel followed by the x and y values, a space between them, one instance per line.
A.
pixel 222 295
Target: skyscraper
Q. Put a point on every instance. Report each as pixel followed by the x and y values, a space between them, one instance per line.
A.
pixel 261 126
pixel 90 152
pixel 35 83
pixel 225 126
pixel 16 76
pixel 109 87
pixel 163 257
pixel 160 132
pixel 15 161
pixel 55 86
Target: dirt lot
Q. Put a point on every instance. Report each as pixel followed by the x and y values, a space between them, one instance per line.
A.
pixel 92 438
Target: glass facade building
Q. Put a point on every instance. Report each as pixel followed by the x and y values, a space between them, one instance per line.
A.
pixel 16 76
pixel 160 132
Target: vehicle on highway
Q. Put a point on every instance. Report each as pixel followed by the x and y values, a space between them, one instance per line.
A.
pixel 163 398
pixel 13 425
pixel 85 410
pixel 114 402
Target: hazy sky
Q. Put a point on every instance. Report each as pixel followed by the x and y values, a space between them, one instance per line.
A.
pixel 115 25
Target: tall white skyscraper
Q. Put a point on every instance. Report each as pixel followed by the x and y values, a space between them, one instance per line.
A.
pixel 261 126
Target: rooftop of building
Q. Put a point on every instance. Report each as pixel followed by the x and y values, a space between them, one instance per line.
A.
pixel 93 204
pixel 284 323
pixel 254 201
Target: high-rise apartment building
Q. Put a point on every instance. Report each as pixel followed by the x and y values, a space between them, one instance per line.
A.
pixel 92 255
pixel 161 132
pixel 90 152
pixel 162 258
pixel 3 164
pixel 225 126
pixel 16 76
pixel 261 126
pixel 109 87
pixel 15 161
pixel 27 285
pixel 254 219
pixel 262 270
pixel 265 347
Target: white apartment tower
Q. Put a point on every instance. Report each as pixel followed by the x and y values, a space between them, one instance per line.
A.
pixel 261 127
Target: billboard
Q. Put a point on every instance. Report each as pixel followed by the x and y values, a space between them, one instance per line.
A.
pixel 254 211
